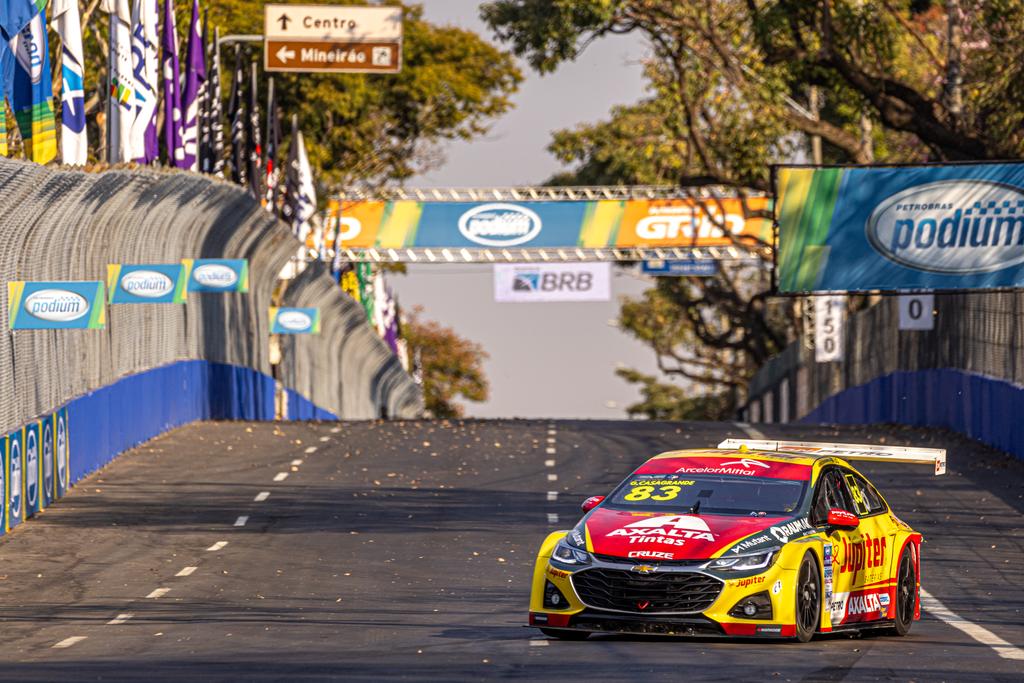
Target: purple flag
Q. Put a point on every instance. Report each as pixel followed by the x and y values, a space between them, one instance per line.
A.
pixel 172 88
pixel 195 75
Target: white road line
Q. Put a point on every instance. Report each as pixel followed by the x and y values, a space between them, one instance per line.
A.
pixel 551 439
pixel 68 642
pixel 216 546
pixel 262 496
pixel 335 430
pixel 241 520
pixel 325 438
pixel 552 477
pixel 119 619
pixel 979 633
pixel 552 432
pixel 296 462
pixel 280 476
pixel 752 432
pixel 549 463
pixel 550 451
pixel 538 643
pixel 552 518
pixel 552 495
pixel 159 593
pixel 311 449
pixel 187 571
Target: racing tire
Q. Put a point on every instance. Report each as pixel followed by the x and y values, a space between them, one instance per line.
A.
pixel 565 634
pixel 906 595
pixel 808 598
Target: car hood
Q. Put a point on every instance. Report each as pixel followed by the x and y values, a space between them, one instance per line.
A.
pixel 660 536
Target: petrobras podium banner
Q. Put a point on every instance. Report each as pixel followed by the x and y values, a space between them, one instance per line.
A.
pixel 146 284
pixel 552 282
pixel 295 320
pixel 217 275
pixel 55 305
pixel 632 223
pixel 914 227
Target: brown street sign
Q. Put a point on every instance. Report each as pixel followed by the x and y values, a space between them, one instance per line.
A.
pixel 332 56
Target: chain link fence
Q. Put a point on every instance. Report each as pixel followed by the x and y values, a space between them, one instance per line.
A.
pixel 68 225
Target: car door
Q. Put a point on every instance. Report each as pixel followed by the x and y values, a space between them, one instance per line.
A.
pixel 872 558
pixel 829 495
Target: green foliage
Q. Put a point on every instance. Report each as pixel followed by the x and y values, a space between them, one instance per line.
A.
pixel 452 366
pixel 663 401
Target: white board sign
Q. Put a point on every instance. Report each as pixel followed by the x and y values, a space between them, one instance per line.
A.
pixel 552 282
pixel 829 315
pixel 917 311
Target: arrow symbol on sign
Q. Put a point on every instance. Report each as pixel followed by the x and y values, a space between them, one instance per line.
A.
pixel 284 54
pixel 284 19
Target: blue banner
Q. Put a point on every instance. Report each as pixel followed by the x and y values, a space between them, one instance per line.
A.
pixel 146 284
pixel 46 446
pixel 15 479
pixel 3 485
pixel 33 489
pixel 217 275
pixel 680 267
pixel 916 227
pixel 55 305
pixel 295 321
pixel 62 451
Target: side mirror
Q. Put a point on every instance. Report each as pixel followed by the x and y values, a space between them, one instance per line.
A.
pixel 841 519
pixel 591 503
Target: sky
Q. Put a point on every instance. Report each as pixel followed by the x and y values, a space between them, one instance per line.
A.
pixel 546 360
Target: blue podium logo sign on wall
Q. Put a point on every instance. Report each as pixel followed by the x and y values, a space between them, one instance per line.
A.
pixel 217 275
pixel 15 507
pixel 46 445
pixel 55 305
pixel 62 449
pixel 32 497
pixel 295 321
pixel 146 284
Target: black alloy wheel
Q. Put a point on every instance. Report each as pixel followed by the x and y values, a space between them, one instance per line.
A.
pixel 565 634
pixel 906 594
pixel 808 599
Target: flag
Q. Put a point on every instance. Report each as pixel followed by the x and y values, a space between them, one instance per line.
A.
pixel 203 146
pixel 6 82
pixel 236 106
pixel 273 144
pixel 172 88
pixel 215 152
pixel 3 118
pixel 121 114
pixel 74 145
pixel 15 15
pixel 195 75
pixel 145 142
pixel 349 280
pixel 364 271
pixel 253 147
pixel 300 199
pixel 32 95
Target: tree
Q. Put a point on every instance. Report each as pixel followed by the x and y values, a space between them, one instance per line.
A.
pixel 663 401
pixel 452 366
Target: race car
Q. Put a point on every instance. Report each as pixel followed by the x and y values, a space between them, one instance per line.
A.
pixel 764 539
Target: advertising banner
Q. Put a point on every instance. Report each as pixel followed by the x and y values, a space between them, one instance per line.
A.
pixel 3 485
pixel 33 499
pixel 566 224
pixel 146 284
pixel 46 446
pixel 915 227
pixel 829 312
pixel 552 282
pixel 15 479
pixel 295 320
pixel 55 305
pixel 680 267
pixel 217 275
pixel 62 452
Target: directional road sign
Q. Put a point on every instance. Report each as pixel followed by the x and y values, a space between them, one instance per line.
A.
pixel 332 39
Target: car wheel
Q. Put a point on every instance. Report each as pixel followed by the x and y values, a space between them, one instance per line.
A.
pixel 808 599
pixel 906 594
pixel 565 634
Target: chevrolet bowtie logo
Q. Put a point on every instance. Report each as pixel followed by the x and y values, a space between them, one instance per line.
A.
pixel 643 569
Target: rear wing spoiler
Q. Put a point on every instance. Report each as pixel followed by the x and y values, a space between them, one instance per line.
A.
pixel 849 451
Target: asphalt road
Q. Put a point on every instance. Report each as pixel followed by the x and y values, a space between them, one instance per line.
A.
pixel 403 551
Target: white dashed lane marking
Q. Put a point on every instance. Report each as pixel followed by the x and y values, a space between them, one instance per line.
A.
pixel 262 496
pixel 979 633
pixel 119 619
pixel 549 463
pixel 552 518
pixel 552 495
pixel 325 438
pixel 187 571
pixel 551 439
pixel 335 430
pixel 159 593
pixel 280 476
pixel 296 462
pixel 550 451
pixel 216 546
pixel 311 449
pixel 242 520
pixel 68 642
pixel 552 477
pixel 538 643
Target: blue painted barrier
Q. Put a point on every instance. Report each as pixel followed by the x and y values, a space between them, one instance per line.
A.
pixel 980 407
pixel 301 408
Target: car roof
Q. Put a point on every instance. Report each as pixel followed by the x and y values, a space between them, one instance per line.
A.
pixel 734 461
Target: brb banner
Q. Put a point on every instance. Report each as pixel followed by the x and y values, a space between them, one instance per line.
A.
pixel 295 321
pixel 152 284
pixel 55 305
pixel 917 227
pixel 589 224
pixel 547 282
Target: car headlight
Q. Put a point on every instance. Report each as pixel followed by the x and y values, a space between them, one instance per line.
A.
pixel 572 549
pixel 745 563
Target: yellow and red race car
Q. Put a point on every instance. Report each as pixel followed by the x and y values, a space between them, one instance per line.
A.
pixel 763 539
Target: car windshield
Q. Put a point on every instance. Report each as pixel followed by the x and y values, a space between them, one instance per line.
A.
pixel 722 494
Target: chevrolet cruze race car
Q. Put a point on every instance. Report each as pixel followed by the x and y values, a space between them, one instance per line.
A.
pixel 756 538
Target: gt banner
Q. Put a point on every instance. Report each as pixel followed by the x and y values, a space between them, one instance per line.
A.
pixel 15 499
pixel 566 224
pixel 55 305
pixel 149 284
pixel 828 328
pixel 217 275
pixel 915 227
pixel 551 282
pixel 295 321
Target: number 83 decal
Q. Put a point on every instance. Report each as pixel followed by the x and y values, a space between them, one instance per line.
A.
pixel 645 492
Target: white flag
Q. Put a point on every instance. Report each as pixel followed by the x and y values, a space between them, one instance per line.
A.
pixel 74 147
pixel 122 82
pixel 305 205
pixel 145 64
